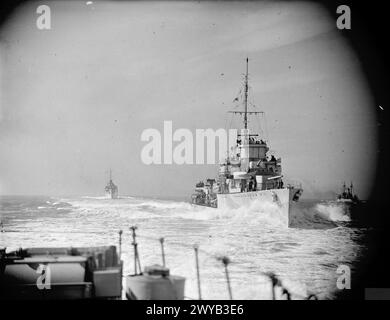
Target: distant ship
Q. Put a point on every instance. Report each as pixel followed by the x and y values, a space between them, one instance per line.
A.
pixel 347 195
pixel 248 174
pixel 111 189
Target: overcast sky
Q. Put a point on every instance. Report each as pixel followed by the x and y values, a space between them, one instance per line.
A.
pixel 75 99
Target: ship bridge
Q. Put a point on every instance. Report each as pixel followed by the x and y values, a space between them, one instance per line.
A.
pixel 253 155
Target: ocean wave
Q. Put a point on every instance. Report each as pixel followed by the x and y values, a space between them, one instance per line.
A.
pixel 254 238
pixel 334 211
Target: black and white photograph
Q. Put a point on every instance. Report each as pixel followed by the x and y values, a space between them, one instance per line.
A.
pixel 192 150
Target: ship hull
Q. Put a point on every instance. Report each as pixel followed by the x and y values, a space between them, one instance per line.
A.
pixel 281 199
pixel 112 195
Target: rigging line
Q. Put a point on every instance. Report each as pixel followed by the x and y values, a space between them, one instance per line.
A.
pixel 226 122
pixel 290 293
pixel 260 127
pixel 153 238
pixel 266 128
pixel 251 99
pixel 206 253
pixel 150 238
pixel 189 246
pixel 231 120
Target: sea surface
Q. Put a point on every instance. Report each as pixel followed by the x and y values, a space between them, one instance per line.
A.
pixel 305 258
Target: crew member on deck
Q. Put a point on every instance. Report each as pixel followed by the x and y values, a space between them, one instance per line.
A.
pixel 242 185
pixel 251 184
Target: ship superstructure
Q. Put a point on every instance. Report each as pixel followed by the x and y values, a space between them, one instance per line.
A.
pixel 347 194
pixel 249 173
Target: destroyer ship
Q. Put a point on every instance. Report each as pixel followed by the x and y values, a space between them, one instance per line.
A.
pixel 353 207
pixel 347 195
pixel 249 174
pixel 111 190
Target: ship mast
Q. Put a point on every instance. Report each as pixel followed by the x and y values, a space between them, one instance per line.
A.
pixel 246 88
pixel 246 97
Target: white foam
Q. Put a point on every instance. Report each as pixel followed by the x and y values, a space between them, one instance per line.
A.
pixel 334 211
pixel 255 238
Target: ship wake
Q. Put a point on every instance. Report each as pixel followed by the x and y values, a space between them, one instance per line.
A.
pixel 306 214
